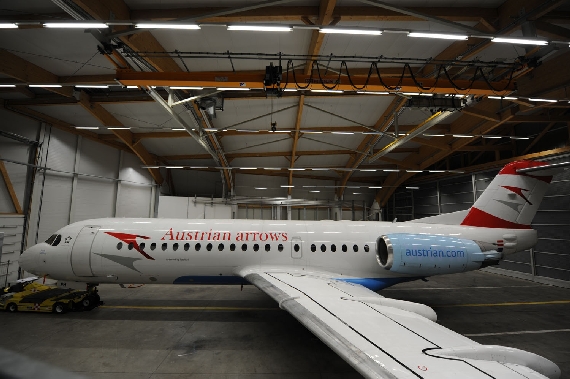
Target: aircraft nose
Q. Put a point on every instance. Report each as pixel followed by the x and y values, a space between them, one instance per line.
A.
pixel 29 260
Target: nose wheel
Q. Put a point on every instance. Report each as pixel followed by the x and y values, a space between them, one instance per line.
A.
pixel 93 300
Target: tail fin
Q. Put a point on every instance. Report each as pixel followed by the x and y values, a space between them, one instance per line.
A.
pixel 512 198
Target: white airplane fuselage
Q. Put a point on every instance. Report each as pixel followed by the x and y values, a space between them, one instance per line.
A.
pixel 128 250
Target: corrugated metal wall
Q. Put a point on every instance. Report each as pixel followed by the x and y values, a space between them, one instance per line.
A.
pixel 549 258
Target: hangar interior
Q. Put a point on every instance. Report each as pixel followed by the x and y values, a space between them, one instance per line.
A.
pixel 358 110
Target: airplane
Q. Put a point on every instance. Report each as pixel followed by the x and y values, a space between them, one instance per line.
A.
pixel 326 273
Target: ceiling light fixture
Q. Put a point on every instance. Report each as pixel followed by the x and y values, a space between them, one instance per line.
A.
pixel 288 186
pixel 458 37
pixel 328 90
pixel 173 167
pixel 502 97
pixel 372 93
pixel 247 168
pixel 76 25
pixel 118 128
pixel 7 85
pixel 342 132
pixel 520 41
pixel 374 187
pixel 545 100
pixel 260 188
pixel 87 127
pixel 390 170
pixel 315 191
pixel 461 136
pixel 416 171
pixel 435 171
pixel 296 169
pixel 369 32
pixel 8 26
pixel 290 90
pixel 168 26
pixel 260 28
pixel 233 89
pixel 132 87
pixel 90 86
pixel 45 86
pixel 196 88
pixel 413 188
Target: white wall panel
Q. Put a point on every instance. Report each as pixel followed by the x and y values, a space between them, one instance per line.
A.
pixel 11 226
pixel 134 201
pixel 98 159
pixel 94 198
pixel 173 207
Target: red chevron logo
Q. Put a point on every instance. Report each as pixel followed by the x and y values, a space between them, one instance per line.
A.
pixel 131 238
pixel 518 191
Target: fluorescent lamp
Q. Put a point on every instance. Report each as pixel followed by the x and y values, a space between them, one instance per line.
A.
pixel 312 132
pixel 132 87
pixel 260 28
pixel 150 166
pixel 320 169
pixel 375 187
pixel 411 93
pixel 174 166
pixel 87 127
pixel 368 170
pixel 260 188
pixel 196 88
pixel 414 171
pixel 513 137
pixel 426 94
pixel 438 36
pixel 412 188
pixel 247 168
pixel 357 193
pixel 287 186
pixel 315 191
pixel 373 93
pixel 327 90
pixel 296 169
pixel 90 86
pixel 433 135
pixel 118 128
pixel 390 170
pixel 45 85
pixel 7 85
pixel 272 168
pixel 434 171
pixel 496 137
pixel 521 41
pixel 545 100
pixel 461 136
pixel 211 129
pixel 76 25
pixel 342 132
pixel 167 26
pixel 290 90
pixel 178 129
pixel 8 26
pixel 351 31
pixel 502 97
pixel 232 89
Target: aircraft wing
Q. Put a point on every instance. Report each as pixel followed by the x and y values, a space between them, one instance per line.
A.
pixel 387 338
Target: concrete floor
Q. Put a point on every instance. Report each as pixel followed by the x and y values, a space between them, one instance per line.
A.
pixel 164 331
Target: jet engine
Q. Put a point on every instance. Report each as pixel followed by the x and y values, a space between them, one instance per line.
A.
pixel 424 255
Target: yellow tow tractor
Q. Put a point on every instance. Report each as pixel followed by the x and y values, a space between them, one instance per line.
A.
pixel 28 296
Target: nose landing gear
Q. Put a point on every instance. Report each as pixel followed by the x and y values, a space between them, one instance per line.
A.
pixel 93 300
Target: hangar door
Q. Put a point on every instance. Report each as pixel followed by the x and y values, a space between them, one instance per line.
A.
pixel 81 253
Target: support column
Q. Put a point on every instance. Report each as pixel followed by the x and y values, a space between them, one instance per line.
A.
pixel 118 184
pixel 71 217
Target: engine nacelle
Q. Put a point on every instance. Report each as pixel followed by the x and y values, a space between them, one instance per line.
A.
pixel 424 255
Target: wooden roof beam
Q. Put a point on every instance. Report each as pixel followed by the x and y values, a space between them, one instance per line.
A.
pixel 27 72
pixel 126 136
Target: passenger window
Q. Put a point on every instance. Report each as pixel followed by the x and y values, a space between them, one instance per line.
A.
pixel 175 247
pixel 280 247
pixel 164 246
pixel 255 247
pixel 197 247
pixel 244 247
pixel 186 246
pixel 344 248
pixel 50 240
pixel 142 245
pixel 267 247
pixel 153 246
pixel 355 248
pixel 209 247
pixel 296 248
pixel 119 246
pixel 57 240
pixel 233 247
pixel 130 246
pixel 221 247
pixel 313 248
pixel 323 248
pixel 333 248
pixel 366 248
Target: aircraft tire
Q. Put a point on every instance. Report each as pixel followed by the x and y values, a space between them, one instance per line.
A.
pixel 59 308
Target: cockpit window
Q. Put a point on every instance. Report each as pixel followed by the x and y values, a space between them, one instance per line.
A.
pixel 56 240
pixel 50 240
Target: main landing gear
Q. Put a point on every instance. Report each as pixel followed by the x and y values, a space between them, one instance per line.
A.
pixel 92 300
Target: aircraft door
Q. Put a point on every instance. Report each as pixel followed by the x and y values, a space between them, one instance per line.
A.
pixel 81 253
pixel 296 248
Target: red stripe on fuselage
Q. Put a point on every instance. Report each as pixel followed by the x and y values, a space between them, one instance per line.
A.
pixel 479 218
pixel 131 238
